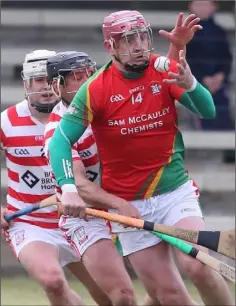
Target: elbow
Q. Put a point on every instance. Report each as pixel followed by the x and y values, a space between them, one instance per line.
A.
pixel 210 114
pixel 213 113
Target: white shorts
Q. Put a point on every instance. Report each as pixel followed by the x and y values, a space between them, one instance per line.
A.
pixel 82 234
pixel 168 208
pixel 20 234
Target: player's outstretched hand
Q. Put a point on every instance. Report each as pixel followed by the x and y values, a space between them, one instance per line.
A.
pixel 183 31
pixel 73 205
pixel 184 77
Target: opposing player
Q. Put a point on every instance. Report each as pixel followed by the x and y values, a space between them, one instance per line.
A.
pixel 130 106
pixel 36 239
pixel 91 239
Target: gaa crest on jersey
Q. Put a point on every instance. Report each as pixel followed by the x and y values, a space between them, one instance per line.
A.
pixel 156 88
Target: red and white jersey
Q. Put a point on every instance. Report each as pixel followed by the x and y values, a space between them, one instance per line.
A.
pixel 85 149
pixel 29 177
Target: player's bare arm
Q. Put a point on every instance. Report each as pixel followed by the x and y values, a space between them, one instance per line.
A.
pixel 95 195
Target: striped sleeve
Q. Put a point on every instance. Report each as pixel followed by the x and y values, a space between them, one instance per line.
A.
pixel 3 135
pixel 52 124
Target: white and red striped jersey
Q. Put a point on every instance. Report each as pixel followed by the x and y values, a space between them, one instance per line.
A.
pixel 29 177
pixel 85 149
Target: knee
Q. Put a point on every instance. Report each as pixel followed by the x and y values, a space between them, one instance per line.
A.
pixel 170 296
pixel 197 272
pixel 123 296
pixel 53 281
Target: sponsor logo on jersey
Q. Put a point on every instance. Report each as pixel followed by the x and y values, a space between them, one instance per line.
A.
pixel 85 154
pixel 39 138
pixel 188 209
pixel 91 175
pixel 30 179
pixel 139 88
pixel 116 98
pixel 42 152
pixel 21 152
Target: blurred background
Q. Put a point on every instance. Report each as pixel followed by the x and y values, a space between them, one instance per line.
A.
pixel 76 25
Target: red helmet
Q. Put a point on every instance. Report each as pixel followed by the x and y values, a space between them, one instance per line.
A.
pixel 122 22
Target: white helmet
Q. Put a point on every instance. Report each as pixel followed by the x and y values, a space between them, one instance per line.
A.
pixel 35 66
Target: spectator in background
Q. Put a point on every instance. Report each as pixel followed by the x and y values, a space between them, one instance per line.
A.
pixel 210 59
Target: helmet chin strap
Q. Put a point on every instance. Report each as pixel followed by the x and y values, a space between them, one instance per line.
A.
pixel 44 108
pixel 134 68
pixel 137 68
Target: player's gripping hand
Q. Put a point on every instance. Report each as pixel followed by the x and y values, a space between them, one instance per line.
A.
pixel 127 209
pixel 73 205
pixel 4 223
pixel 184 77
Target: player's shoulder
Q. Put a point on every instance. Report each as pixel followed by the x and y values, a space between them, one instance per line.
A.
pixel 55 116
pixel 13 112
pixel 58 111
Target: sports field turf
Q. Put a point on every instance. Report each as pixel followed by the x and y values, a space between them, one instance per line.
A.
pixel 24 291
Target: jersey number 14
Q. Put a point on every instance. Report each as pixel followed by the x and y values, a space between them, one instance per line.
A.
pixel 137 98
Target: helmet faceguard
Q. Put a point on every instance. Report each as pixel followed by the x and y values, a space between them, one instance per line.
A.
pixel 130 26
pixel 35 67
pixel 63 64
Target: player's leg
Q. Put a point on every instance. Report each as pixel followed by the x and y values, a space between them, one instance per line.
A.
pixel 40 258
pixel 155 267
pixel 184 211
pixel 81 273
pixel 101 258
pixel 71 258
pixel 152 259
pixel 148 301
pixel 109 273
pixel 210 284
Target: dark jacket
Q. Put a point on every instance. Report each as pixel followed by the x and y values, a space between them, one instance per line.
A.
pixel 209 53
